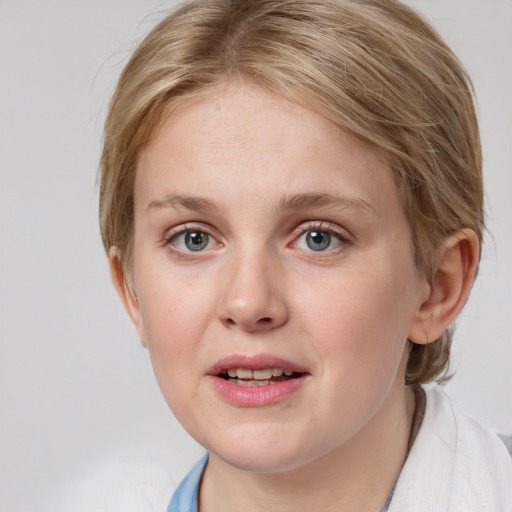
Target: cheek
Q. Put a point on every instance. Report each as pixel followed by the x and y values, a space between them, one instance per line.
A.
pixel 358 328
pixel 173 308
pixel 174 315
pixel 359 321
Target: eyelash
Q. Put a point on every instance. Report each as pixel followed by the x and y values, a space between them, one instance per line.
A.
pixel 325 227
pixel 322 226
pixel 170 238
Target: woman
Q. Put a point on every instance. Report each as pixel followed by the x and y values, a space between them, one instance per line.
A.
pixel 292 205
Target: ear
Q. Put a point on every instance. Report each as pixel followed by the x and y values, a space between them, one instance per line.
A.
pixel 457 263
pixel 125 292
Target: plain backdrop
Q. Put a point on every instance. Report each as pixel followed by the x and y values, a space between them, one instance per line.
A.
pixel 76 387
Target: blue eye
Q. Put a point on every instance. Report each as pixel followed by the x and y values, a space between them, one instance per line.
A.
pixel 319 240
pixel 196 240
pixel 190 240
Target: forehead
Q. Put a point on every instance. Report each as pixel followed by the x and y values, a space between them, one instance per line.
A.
pixel 260 144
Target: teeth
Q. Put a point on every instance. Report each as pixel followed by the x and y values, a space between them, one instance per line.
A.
pixel 250 383
pixel 265 374
pixel 243 373
pixel 262 374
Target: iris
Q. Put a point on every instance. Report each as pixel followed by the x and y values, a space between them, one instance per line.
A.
pixel 318 240
pixel 196 240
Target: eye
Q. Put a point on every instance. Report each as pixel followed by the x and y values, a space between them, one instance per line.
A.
pixel 192 240
pixel 319 240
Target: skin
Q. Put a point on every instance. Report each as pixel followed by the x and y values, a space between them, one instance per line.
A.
pixel 343 313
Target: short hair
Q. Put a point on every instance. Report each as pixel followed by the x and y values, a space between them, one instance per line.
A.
pixel 375 68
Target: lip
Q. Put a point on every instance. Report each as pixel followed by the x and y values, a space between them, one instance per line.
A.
pixel 255 396
pixel 254 362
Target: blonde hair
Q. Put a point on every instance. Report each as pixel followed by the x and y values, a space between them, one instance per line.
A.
pixel 375 68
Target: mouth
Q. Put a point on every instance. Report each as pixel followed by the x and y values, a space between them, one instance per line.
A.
pixel 261 377
pixel 256 380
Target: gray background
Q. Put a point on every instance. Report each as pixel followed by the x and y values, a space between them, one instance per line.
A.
pixel 76 387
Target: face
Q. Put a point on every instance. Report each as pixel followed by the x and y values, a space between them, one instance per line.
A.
pixel 274 281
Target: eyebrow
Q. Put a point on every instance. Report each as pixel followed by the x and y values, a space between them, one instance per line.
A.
pixel 292 202
pixel 189 202
pixel 303 201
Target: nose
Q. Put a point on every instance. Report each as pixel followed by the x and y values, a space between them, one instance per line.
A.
pixel 253 294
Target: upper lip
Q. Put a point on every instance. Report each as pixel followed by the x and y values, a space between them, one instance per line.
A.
pixel 254 362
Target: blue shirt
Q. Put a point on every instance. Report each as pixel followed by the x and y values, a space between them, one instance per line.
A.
pixel 184 498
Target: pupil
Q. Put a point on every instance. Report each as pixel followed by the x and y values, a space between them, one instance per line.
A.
pixel 318 240
pixel 196 240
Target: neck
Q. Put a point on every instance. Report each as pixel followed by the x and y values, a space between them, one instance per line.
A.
pixel 358 475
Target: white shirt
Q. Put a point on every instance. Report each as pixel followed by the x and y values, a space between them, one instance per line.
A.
pixel 455 465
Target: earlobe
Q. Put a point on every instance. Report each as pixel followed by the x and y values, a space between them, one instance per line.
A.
pixel 124 290
pixel 449 289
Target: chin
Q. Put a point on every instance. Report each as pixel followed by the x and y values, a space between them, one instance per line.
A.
pixel 256 461
pixel 267 452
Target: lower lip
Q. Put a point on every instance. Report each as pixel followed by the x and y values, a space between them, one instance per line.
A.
pixel 256 396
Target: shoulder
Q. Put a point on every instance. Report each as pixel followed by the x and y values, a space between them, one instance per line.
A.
pixel 456 463
pixel 129 481
pixel 472 439
pixel 483 465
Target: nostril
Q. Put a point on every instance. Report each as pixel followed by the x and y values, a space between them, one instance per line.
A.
pixel 265 322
